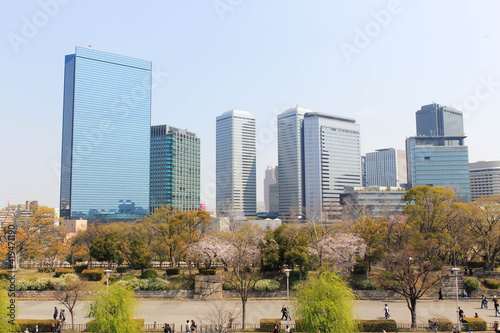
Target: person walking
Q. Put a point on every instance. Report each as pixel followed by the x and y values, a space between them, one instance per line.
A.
pixel 35 330
pixel 59 326
pixel 495 305
pixel 188 327
pixel 440 295
pixel 55 312
pixel 386 312
pixel 166 328
pixel 193 326
pixel 284 312
pixel 53 328
pixel 460 314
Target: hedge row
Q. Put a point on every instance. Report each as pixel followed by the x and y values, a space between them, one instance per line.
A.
pixel 80 268
pixel 93 274
pixel 44 325
pixel 389 325
pixel 491 283
pixel 443 324
pixel 62 271
pixel 475 324
pixel 206 271
pixel 172 271
pixel 267 325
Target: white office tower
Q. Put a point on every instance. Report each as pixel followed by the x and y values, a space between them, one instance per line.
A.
pixel 332 160
pixel 290 162
pixel 235 163
pixel 386 167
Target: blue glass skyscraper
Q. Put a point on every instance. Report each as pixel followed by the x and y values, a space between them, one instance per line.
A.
pixel 106 136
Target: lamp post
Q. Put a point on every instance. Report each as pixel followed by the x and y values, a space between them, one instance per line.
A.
pixel 287 272
pixel 455 270
pixel 108 273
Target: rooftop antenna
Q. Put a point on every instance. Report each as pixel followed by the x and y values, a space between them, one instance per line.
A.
pixel 8 201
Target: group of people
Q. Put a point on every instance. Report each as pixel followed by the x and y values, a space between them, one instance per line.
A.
pixel 190 327
pixel 285 313
pixel 62 314
pixel 484 304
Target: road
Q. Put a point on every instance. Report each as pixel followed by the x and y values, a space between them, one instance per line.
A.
pixel 178 311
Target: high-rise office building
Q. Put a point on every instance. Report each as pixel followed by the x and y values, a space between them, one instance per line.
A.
pixel 386 167
pixel 236 163
pixel 175 168
pixel 332 161
pixel 439 161
pixel 437 120
pixel 484 179
pixel 105 136
pixel 269 179
pixel 290 162
pixel 363 171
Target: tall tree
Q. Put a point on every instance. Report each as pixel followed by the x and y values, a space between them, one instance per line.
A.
pixel 105 249
pixel 113 311
pixel 374 232
pixel 483 227
pixel 32 231
pixel 71 294
pixel 325 303
pixel 241 252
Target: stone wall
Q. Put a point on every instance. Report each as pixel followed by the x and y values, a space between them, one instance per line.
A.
pixel 207 287
pixel 48 294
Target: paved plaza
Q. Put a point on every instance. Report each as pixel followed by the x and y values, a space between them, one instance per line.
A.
pixel 178 311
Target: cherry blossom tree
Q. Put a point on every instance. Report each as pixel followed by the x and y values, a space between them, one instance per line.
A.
pixel 241 252
pixel 207 250
pixel 341 250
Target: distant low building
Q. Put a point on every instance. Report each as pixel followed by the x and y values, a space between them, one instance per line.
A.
pixel 267 224
pixel 373 201
pixel 73 226
pixel 484 179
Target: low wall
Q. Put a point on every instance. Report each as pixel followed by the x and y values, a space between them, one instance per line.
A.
pixel 48 294
pixel 256 294
pixel 207 287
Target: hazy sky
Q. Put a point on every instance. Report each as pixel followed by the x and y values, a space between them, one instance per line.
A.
pixel 375 61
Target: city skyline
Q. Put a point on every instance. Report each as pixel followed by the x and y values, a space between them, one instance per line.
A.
pixel 215 61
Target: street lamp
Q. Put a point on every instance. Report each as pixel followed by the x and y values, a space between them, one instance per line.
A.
pixel 287 272
pixel 108 273
pixel 455 270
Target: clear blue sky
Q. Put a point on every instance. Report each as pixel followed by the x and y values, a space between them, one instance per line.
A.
pixel 256 55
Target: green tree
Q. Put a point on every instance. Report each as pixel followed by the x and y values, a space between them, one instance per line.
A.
pixel 137 254
pixel 374 232
pixel 105 249
pixel 113 311
pixel 325 302
pixel 6 321
pixel 483 228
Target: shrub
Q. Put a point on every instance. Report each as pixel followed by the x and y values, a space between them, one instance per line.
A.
pixel 389 325
pixel 475 264
pixel 93 274
pixel 121 269
pixel 206 271
pixel 144 284
pixel 45 269
pixel 45 283
pixel 227 285
pixel 471 284
pixel 172 271
pixel 62 271
pixel 129 277
pixel 366 285
pixel 443 324
pixel 80 268
pixel 475 324
pixel 267 325
pixel 298 284
pixel 150 273
pixel 44 325
pixel 4 275
pixel 491 283
pixel 266 285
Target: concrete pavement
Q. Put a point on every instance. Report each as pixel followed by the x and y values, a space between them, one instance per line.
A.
pixel 178 311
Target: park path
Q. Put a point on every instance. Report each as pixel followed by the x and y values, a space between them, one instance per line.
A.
pixel 178 311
